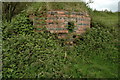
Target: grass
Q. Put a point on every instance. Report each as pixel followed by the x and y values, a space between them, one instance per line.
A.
pixel 50 59
pixel 108 19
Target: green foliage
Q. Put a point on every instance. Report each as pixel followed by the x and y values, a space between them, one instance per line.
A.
pixel 101 42
pixel 31 56
pixel 10 9
pixel 27 54
pixel 22 25
pixel 36 8
pixel 107 19
pixel 19 25
pixel 98 47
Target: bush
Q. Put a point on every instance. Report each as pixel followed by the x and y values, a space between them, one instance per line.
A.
pixel 27 54
pixel 99 41
pixel 19 25
pixel 31 56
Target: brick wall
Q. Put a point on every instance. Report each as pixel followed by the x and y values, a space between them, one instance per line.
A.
pixel 57 21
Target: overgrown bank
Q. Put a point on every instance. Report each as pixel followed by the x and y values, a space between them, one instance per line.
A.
pixel 27 54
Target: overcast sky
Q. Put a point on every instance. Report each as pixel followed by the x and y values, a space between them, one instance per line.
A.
pixel 105 4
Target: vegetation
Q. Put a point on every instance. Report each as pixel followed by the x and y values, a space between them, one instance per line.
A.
pixel 10 9
pixel 28 54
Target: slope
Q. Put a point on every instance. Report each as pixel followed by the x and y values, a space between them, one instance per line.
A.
pixel 27 54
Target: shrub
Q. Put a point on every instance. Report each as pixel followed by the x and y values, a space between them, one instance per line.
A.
pixel 31 56
pixel 99 41
pixel 19 25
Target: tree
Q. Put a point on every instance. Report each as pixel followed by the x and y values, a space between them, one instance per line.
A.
pixel 8 9
pixel 90 1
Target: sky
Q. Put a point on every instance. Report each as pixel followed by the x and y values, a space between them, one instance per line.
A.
pixel 104 4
